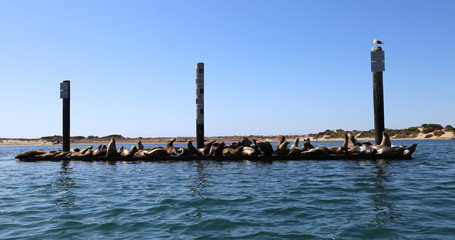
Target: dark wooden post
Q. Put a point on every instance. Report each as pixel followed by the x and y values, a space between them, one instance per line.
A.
pixel 200 105
pixel 377 67
pixel 65 96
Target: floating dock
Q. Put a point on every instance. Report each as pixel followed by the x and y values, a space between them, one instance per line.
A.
pixel 223 158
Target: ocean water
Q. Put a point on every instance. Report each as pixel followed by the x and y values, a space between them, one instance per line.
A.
pixel 382 199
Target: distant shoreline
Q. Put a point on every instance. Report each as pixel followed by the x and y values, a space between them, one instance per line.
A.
pixel 161 140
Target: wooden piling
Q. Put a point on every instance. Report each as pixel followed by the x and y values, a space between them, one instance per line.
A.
pixel 377 68
pixel 65 96
pixel 200 105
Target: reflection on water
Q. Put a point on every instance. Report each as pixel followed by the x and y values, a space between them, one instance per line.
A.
pixel 198 186
pixel 65 197
pixel 382 205
pixel 200 181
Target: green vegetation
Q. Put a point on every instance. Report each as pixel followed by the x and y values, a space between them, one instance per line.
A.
pixel 449 128
pixel 430 127
pixel 116 136
pixel 438 133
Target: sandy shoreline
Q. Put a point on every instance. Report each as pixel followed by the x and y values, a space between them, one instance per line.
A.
pixel 38 142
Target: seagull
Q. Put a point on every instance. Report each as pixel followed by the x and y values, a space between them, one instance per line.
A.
pixel 377 42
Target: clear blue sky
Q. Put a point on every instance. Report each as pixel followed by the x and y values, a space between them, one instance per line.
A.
pixel 271 67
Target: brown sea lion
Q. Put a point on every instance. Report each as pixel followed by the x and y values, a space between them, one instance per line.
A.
pixel 249 151
pixel 176 151
pixel 111 149
pixel 140 146
pixel 352 142
pixel 294 149
pixel 85 153
pixel 386 140
pixel 386 148
pixel 342 149
pixel 124 152
pixel 228 151
pixel 171 150
pixel 319 150
pixel 192 151
pixel 234 145
pixel 306 145
pixel 217 149
pixel 100 151
pixel 246 142
pixel 265 147
pixel 49 155
pixel 366 148
pixel 155 152
pixel 282 149
pixel 207 147
pixel 409 151
pixel 30 154
pixel 281 140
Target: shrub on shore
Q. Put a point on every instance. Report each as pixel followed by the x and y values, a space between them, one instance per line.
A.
pixel 430 127
pixel 449 128
pixel 428 135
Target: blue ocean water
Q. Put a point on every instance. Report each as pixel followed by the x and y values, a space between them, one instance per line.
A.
pixel 382 199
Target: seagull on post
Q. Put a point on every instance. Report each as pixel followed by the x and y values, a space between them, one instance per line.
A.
pixel 377 42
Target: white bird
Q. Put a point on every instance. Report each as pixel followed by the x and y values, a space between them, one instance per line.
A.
pixel 377 42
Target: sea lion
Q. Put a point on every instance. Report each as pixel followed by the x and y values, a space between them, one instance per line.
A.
pixel 366 148
pixel 249 151
pixel 85 153
pixel 175 151
pixel 171 150
pixel 49 155
pixel 295 150
pixel 283 149
pixel 352 142
pixel 319 150
pixel 217 149
pixel 133 150
pixel 409 151
pixel 343 148
pixel 265 147
pixel 228 151
pixel 246 142
pixel 306 145
pixel 192 151
pixel 124 153
pixel 30 154
pixel 207 147
pixel 111 149
pixel 139 154
pixel 234 145
pixel 386 149
pixel 140 146
pixel 281 140
pixel 155 152
pixel 386 140
pixel 100 151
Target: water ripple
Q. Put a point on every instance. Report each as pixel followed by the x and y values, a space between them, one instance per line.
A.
pixel 230 200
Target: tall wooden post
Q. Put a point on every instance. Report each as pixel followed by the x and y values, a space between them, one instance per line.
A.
pixel 377 67
pixel 65 96
pixel 200 105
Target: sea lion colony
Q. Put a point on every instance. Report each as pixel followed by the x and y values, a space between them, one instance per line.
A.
pixel 244 148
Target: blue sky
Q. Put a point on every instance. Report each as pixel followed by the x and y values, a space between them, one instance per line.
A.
pixel 271 67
